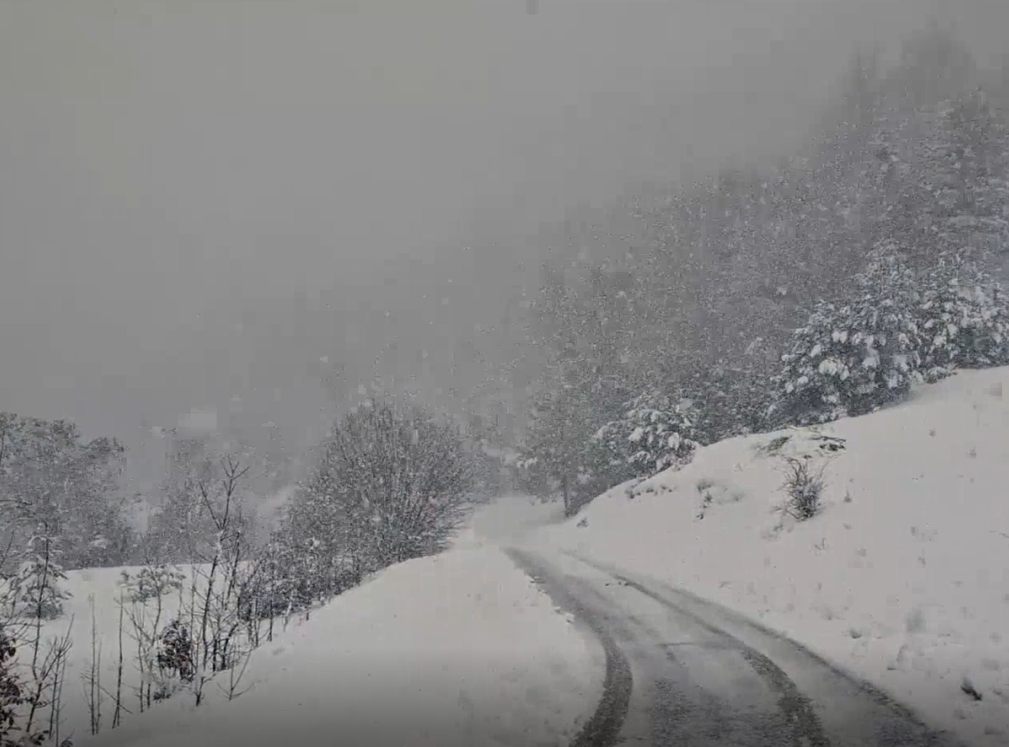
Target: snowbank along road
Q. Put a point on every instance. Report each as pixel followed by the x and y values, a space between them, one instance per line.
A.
pixel 685 671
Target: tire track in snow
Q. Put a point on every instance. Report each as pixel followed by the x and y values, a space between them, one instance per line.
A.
pixel 603 727
pixel 797 709
pixel 897 725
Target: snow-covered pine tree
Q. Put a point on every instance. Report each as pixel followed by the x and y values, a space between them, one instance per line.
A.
pixel 964 317
pixel 49 475
pixel 854 357
pixel 553 443
pixel 725 402
pixel 37 587
pixel 559 452
pixel 654 434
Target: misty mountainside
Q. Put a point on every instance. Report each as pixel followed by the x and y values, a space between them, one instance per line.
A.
pixel 777 318
pixel 832 285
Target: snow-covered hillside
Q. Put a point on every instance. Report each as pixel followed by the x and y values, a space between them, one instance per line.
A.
pixel 457 649
pixel 904 576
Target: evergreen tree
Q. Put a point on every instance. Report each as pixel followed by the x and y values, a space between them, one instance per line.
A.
pixel 964 317
pixel 37 588
pixel 854 357
pixel 653 435
pixel 50 476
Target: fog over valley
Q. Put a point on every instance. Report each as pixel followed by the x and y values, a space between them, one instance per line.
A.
pixel 504 372
pixel 200 201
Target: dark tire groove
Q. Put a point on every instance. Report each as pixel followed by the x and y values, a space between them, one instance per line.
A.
pixel 929 737
pixel 796 707
pixel 603 727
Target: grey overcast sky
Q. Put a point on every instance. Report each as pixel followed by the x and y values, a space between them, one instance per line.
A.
pixel 171 169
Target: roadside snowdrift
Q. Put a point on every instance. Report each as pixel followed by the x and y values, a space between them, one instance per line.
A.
pixel 458 649
pixel 904 576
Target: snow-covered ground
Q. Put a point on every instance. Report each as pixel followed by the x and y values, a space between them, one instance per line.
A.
pixel 94 605
pixel 457 649
pixel 904 577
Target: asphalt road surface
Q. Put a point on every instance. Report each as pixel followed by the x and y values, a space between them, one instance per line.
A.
pixel 686 672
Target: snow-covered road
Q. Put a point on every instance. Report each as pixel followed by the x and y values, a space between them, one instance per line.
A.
pixel 685 671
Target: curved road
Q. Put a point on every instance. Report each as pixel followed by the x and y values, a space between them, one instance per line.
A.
pixel 684 671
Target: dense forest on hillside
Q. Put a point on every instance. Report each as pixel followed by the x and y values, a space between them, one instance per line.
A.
pixel 684 333
pixel 903 191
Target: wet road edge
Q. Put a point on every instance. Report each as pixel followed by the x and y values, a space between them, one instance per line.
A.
pixel 602 728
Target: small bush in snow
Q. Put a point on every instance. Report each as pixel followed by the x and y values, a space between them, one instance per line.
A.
pixel 151 583
pixel 653 435
pixel 176 653
pixel 804 487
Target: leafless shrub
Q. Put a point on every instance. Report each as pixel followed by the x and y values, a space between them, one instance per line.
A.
pixel 221 583
pixel 392 484
pixel 146 593
pixel 804 487
pixel 44 687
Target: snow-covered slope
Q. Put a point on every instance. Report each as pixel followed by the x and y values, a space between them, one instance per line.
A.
pixel 904 576
pixel 458 649
pixel 93 606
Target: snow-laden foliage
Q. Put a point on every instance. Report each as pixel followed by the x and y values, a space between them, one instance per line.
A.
pixel 175 659
pixel 37 590
pixel 185 527
pixel 583 325
pixel 560 455
pixel 150 582
pixel 392 483
pixel 14 693
pixel 901 328
pixel 912 154
pixel 555 441
pixel 10 688
pixel 50 476
pixel 851 358
pixel 964 318
pixel 281 585
pixel 654 434
pixel 724 403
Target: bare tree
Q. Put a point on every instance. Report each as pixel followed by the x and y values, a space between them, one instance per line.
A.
pixel 92 677
pixel 392 484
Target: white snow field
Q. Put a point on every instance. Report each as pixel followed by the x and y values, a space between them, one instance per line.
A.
pixel 100 585
pixel 457 649
pixel 902 580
